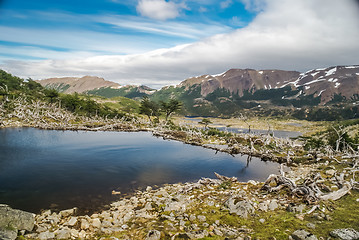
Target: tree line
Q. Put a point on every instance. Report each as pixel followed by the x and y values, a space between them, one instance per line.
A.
pixel 153 109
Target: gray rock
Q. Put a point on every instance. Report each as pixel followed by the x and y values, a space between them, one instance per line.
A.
pixel 72 221
pixel 345 233
pixel 201 218
pixel 17 219
pixel 262 220
pixel 153 235
pixel 217 232
pixel 241 208
pixel 63 234
pixel 46 235
pixel 311 225
pixel 53 219
pixel 263 206
pixel 106 224
pixel 197 234
pixel 303 235
pixel 192 218
pixel 68 212
pixel 96 223
pixel 273 205
pixel 6 234
pixel 174 206
pixel 84 224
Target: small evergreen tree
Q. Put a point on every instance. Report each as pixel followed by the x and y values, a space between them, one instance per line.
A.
pixel 149 108
pixel 170 107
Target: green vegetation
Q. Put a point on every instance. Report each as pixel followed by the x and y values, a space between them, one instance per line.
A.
pixel 170 107
pixel 152 109
pixel 12 87
pixel 149 108
pixel 205 122
pixel 126 91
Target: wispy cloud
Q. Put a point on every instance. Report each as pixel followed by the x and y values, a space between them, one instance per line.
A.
pixel 226 4
pixel 159 9
pixel 190 30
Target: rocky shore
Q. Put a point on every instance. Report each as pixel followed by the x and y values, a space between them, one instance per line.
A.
pixel 221 208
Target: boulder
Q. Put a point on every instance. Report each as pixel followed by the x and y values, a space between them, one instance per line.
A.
pixel 68 212
pixel 64 233
pixel 241 208
pixel 46 235
pixel 153 235
pixel 197 234
pixel 303 235
pixel 7 234
pixel 17 219
pixel 345 233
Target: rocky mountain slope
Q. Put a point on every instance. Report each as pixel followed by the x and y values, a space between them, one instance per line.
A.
pixel 326 82
pixel 96 86
pixel 79 85
pixel 240 80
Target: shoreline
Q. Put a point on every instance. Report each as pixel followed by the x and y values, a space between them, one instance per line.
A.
pixel 205 208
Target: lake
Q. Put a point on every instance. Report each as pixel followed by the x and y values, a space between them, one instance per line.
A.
pixel 42 169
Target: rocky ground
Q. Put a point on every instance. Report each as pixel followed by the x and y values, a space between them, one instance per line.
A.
pixel 220 208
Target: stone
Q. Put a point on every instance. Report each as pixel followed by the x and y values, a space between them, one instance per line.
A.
pixel 106 224
pixel 192 218
pixel 96 223
pixel 303 235
pixel 67 212
pixel 311 225
pixel 84 224
pixel 345 233
pixel 201 218
pixel 217 232
pixel 262 220
pixel 174 206
pixel 153 235
pixel 64 233
pixel 53 219
pixel 17 219
pixel 148 188
pixel 74 233
pixel 72 221
pixel 6 234
pixel 242 208
pixel 263 206
pixel 46 235
pixel 273 205
pixel 197 234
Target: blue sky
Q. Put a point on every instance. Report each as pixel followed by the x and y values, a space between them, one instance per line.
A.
pixel 109 27
pixel 162 42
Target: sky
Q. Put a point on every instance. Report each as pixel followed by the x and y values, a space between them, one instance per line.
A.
pixel 163 42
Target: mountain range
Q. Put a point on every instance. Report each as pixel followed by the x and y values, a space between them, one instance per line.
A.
pixel 235 89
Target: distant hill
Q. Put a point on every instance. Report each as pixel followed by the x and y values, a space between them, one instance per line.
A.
pixel 79 85
pixel 95 86
pixel 268 92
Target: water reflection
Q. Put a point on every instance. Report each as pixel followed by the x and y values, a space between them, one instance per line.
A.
pixel 40 169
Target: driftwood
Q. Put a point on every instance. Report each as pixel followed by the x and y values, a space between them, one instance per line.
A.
pixel 309 190
pixel 225 179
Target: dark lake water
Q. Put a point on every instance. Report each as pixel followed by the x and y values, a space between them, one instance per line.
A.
pixel 41 169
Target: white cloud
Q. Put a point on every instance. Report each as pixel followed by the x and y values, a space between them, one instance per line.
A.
pixel 158 9
pixel 226 4
pixel 287 34
pixel 254 5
